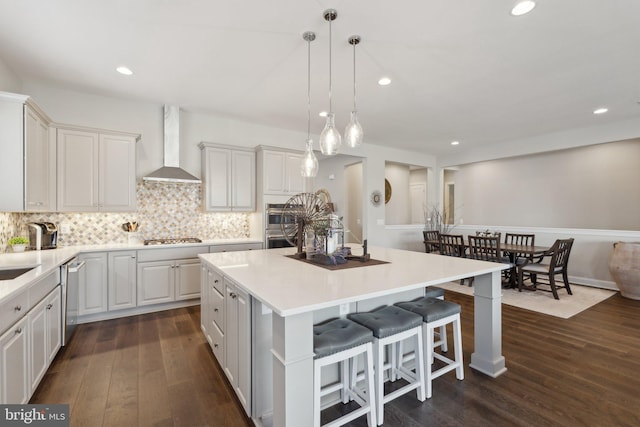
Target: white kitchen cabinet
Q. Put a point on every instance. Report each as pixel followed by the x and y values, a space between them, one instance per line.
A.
pixel 235 247
pixel 14 363
pixel 228 176
pixel 96 171
pixel 205 304
pixel 237 346
pixel 281 172
pixel 187 279
pixel 122 280
pixel 27 164
pixel 93 297
pixel 166 281
pixel 212 311
pixel 45 332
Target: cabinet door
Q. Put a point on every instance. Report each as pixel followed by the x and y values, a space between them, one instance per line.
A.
pixel 78 154
pixel 187 279
pixel 243 188
pixel 14 368
pixel 231 333
pixel 205 304
pixel 274 172
pixel 217 177
pixel 53 309
pixel 93 295
pixel 38 360
pixel 40 164
pixel 122 280
pixel 117 173
pixel 243 385
pixel 293 177
pixel 156 282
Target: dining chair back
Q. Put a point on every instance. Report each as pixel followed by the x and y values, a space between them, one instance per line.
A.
pixel 484 248
pixel 452 245
pixel 431 240
pixel 559 253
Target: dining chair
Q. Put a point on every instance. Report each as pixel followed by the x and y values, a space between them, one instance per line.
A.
pixel 559 253
pixel 485 249
pixel 517 258
pixel 431 240
pixel 453 245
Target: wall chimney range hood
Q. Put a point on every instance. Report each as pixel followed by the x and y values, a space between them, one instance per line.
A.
pixel 171 171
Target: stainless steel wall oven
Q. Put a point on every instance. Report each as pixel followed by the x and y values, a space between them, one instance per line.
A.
pixel 275 216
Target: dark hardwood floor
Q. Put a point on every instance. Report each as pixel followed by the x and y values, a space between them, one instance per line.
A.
pixel 156 370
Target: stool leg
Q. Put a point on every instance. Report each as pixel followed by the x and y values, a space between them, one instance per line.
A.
pixel 317 369
pixel 457 337
pixel 369 379
pixel 378 351
pixel 393 362
pixel 427 336
pixel 419 363
pixel 443 338
pixel 353 381
pixel 344 374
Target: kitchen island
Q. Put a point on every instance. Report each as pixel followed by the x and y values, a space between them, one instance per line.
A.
pixel 296 291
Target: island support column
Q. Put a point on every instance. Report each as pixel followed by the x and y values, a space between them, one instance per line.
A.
pixel 487 352
pixel 293 370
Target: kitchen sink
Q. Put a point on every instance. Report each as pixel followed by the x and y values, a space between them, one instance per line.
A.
pixel 12 273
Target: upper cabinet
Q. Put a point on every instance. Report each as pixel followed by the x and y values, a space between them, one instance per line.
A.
pixel 280 172
pixel 27 164
pixel 228 178
pixel 96 171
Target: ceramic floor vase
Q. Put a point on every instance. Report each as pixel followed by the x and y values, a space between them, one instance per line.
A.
pixel 624 266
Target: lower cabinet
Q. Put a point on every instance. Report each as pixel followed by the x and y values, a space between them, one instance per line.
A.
pixel 121 280
pixel 14 363
pixel 28 347
pixel 92 298
pixel 166 281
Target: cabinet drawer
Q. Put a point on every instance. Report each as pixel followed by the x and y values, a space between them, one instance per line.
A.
pixel 217 344
pixel 42 287
pixel 235 247
pixel 170 254
pixel 217 282
pixel 217 308
pixel 12 310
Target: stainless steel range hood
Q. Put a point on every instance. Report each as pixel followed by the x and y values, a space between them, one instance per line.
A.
pixel 171 171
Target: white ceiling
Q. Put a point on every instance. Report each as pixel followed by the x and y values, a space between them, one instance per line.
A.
pixel 461 70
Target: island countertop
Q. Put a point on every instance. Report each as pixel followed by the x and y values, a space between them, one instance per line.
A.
pixel 289 286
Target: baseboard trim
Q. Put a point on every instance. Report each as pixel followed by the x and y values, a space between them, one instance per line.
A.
pixel 108 315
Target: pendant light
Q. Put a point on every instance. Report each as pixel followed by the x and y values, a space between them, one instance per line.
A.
pixel 309 166
pixel 353 132
pixel 330 139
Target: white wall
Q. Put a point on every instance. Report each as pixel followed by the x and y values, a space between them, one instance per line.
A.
pixel 9 81
pixel 397 210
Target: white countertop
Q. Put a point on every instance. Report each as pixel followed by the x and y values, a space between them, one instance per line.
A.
pixel 47 260
pixel 290 286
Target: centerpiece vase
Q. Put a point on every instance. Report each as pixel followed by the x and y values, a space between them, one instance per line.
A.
pixel 624 266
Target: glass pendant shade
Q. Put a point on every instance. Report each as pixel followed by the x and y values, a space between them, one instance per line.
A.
pixel 353 132
pixel 330 139
pixel 309 166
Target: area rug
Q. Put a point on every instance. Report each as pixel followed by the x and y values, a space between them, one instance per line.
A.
pixel 543 302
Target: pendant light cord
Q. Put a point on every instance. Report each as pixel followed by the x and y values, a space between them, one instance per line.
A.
pixel 354 77
pixel 330 107
pixel 308 89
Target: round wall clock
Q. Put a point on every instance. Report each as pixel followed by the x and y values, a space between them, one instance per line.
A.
pixel 387 191
pixel 376 198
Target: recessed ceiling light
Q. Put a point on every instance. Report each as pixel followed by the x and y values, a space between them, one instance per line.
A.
pixel 523 7
pixel 455 142
pixel 322 114
pixel 600 110
pixel 384 81
pixel 124 70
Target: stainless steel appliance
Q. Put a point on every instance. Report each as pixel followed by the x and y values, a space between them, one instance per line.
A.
pixel 43 235
pixel 172 241
pixel 275 215
pixel 72 275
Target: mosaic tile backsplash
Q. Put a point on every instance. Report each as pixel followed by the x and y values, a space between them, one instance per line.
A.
pixel 163 210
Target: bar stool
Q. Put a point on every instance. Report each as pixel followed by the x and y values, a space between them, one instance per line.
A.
pixel 437 313
pixel 341 341
pixel 436 292
pixel 392 325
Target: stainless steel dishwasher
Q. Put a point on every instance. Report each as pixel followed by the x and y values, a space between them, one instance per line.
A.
pixel 72 277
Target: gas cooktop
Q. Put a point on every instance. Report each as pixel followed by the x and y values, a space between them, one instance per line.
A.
pixel 172 241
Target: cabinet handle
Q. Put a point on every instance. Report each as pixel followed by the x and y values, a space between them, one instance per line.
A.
pixel 215 281
pixel 233 295
pixel 49 306
pixel 132 257
pixel 18 331
pixel 215 345
pixel 215 310
pixel 18 308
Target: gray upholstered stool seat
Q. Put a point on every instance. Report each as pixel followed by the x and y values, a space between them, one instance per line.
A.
pixel 431 309
pixel 434 292
pixel 337 335
pixel 387 321
pixel 438 313
pixel 391 326
pixel 342 341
